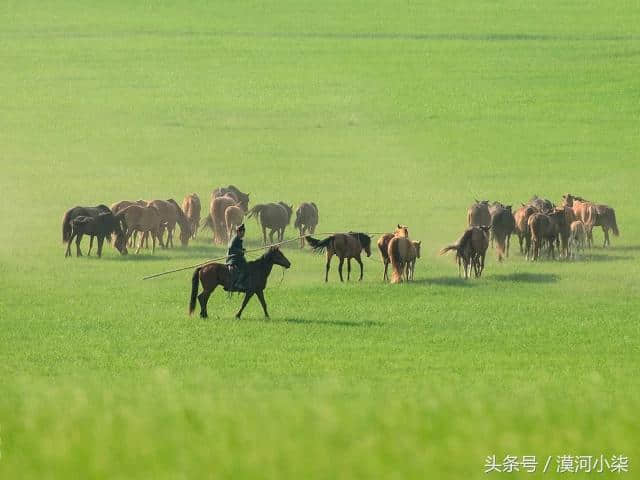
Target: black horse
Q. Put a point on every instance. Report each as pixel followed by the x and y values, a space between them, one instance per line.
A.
pixel 92 212
pixel 102 227
pixel 213 274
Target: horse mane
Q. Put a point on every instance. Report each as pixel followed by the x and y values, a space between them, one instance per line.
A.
pixel 365 240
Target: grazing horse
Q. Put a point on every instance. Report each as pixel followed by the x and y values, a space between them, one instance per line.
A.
pixel 191 207
pixel 383 246
pixel 306 220
pixel 471 250
pixel 274 216
pixel 241 198
pixel 117 207
pixel 344 245
pixel 214 274
pixel 502 226
pixel 101 226
pixel 577 238
pixel 478 214
pixel 77 212
pixel 146 220
pixel 170 214
pixel 233 217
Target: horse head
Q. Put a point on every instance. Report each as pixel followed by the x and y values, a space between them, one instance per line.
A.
pixel 402 231
pixel 417 246
pixel 365 242
pixel 278 258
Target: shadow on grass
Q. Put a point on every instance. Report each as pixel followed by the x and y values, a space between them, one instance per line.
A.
pixel 334 323
pixel 527 277
pixel 447 281
pixel 621 248
pixel 141 257
pixel 602 257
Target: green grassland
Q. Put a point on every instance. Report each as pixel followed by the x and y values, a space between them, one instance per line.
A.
pixel 380 112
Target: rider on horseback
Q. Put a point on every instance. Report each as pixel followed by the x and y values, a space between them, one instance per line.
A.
pixel 236 261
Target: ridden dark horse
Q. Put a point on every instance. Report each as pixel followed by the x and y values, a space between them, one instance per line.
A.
pixel 344 245
pixel 214 274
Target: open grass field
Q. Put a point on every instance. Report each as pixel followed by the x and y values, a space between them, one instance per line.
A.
pixel 380 112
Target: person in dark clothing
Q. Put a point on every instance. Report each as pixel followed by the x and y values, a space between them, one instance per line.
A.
pixel 236 261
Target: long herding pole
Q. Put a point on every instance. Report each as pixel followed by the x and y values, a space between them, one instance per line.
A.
pixel 155 275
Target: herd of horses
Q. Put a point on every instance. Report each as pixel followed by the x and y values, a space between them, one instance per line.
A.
pixel 566 228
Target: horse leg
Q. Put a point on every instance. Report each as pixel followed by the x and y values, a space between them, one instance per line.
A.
pixel 260 295
pixel 78 239
pixel 264 235
pixel 508 244
pixel 153 242
pixel 361 267
pixel 348 268
pixel 340 268
pixel 271 232
pixel 68 252
pixel 385 276
pixel 606 236
pixel 326 274
pixel 247 296
pixel 100 243
pixel 90 245
pixel 203 298
pixel 302 230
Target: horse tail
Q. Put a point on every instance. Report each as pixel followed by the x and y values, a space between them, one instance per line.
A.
pixel 207 222
pixel 449 248
pixel 396 261
pixel 66 226
pixel 319 245
pixel 194 289
pixel 614 223
pixel 256 210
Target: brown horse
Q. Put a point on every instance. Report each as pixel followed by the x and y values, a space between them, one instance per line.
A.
pixel 274 216
pixel 545 229
pixel 344 245
pixel 521 218
pixel 233 217
pixel 584 211
pixel 401 252
pixel 146 220
pixel 471 250
pixel 191 207
pixel 383 246
pixel 101 226
pixel 170 215
pixel 214 274
pixel 216 220
pixel 605 217
pixel 478 214
pixel 502 226
pixel 240 197
pixel 414 254
pixel 306 220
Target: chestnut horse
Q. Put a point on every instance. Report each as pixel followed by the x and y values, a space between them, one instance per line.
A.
pixel 344 245
pixel 213 274
pixel 191 207
pixel 383 246
pixel 471 250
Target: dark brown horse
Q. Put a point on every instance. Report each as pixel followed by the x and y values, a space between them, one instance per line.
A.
pixel 502 226
pixel 101 226
pixel 214 274
pixel 478 214
pixel 471 250
pixel 274 216
pixel 85 212
pixel 306 219
pixel 344 245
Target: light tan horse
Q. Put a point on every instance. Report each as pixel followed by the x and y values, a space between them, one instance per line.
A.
pixel 344 245
pixel 117 207
pixel 584 211
pixel 233 217
pixel 577 238
pixel 171 214
pixel 383 246
pixel 191 207
pixel 146 220
pixel 400 252
pixel 414 254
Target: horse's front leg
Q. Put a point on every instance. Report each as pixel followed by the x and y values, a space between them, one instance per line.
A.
pixel 247 296
pixel 90 245
pixel 68 252
pixel 348 268
pixel 385 276
pixel 264 235
pixel 260 295
pixel 361 267
pixel 340 268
